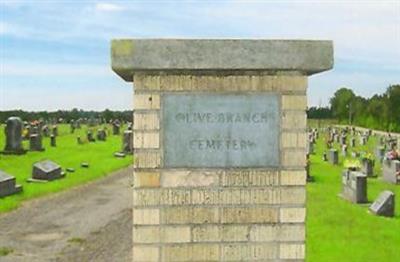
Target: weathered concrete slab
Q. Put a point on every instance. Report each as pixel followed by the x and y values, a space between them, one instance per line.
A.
pixel 304 56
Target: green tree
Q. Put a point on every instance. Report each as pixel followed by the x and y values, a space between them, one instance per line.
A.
pixel 393 96
pixel 342 103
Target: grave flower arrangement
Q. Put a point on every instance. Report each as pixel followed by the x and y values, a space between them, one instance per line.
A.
pixel 352 164
pixel 368 159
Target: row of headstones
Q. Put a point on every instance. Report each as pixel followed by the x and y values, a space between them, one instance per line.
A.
pixel 14 129
pixel 354 184
pixel 354 189
pixel 127 140
pixel 116 125
pixel 13 136
pixel 38 130
pixel 42 171
pixel 340 136
pixel 390 167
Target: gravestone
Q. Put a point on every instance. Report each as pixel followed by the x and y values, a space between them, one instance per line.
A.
pixel 333 156
pixel 45 130
pixel 35 130
pixel 79 140
pixel 219 135
pixel 354 186
pixel 101 135
pixel 343 140
pixel 363 140
pixel 316 134
pixel 384 205
pixel 127 142
pixel 46 170
pixel 116 127
pixel 367 167
pixel 35 143
pixel 324 157
pixel 310 147
pixel 53 141
pixel 13 132
pixel 90 137
pixel 8 185
pixel 352 142
pixel 391 171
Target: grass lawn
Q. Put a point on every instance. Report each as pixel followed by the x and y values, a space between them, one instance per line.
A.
pixel 68 153
pixel 338 230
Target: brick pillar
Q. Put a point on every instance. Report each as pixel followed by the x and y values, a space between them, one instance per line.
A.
pixel 219 144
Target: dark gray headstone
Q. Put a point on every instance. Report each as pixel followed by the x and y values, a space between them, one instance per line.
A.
pixel 101 135
pixel 45 130
pixel 53 142
pixel 310 148
pixel 46 170
pixel 116 128
pixel 354 186
pixel 384 205
pixel 127 142
pixel 35 143
pixel 352 142
pixel 325 157
pixel 363 140
pixel 13 132
pixel 8 185
pixel 367 167
pixel 90 137
pixel 343 140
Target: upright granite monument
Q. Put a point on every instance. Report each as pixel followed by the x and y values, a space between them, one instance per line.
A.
pixel 13 132
pixel 220 146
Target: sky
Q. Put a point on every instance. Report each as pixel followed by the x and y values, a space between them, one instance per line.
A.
pixel 56 54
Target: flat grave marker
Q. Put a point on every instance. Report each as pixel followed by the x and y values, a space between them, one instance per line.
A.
pixel 384 205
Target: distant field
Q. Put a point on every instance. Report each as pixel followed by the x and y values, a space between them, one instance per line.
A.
pixel 340 231
pixel 67 154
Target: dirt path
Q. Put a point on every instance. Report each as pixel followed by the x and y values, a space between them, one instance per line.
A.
pixel 87 223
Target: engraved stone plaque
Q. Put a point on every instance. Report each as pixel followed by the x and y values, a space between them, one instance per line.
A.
pixel 224 130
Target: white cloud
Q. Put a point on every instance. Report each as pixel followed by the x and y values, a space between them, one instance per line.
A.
pixel 108 7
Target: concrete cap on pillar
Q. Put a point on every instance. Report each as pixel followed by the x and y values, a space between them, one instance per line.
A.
pixel 306 57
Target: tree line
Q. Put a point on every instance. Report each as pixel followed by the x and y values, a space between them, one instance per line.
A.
pixel 67 115
pixel 382 111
